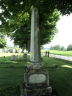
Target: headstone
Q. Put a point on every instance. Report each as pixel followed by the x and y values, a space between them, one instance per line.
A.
pixel 20 51
pixel 25 55
pixel 13 50
pixel 36 78
pixel 13 58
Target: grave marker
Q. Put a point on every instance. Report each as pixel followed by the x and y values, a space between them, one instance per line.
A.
pixel 36 78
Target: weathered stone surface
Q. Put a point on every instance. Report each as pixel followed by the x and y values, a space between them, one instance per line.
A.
pixel 36 82
pixel 37 78
pixel 35 55
pixel 13 58
pixel 25 57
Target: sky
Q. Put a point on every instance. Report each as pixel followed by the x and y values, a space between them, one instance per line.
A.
pixel 64 35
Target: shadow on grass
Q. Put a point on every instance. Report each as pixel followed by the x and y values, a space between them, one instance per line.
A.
pixel 60 77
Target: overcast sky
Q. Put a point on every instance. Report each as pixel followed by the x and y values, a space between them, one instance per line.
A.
pixel 64 36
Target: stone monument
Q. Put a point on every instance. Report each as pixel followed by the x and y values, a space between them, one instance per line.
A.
pixel 36 78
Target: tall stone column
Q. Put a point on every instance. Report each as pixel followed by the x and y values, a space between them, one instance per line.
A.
pixel 35 56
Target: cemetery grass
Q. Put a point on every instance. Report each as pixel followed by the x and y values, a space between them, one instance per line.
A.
pixel 60 78
pixel 64 53
pixel 11 77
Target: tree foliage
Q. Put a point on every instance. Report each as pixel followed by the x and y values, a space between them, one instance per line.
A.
pixel 2 40
pixel 17 13
pixel 57 47
pixel 69 48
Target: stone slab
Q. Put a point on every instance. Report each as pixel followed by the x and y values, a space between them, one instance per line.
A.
pixel 13 58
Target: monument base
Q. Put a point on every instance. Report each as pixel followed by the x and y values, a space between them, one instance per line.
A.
pixel 36 82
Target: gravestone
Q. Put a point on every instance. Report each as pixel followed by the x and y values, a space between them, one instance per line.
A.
pixel 14 50
pixel 13 58
pixel 25 55
pixel 20 51
pixel 36 77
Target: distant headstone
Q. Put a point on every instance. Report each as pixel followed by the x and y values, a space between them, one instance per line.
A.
pixel 25 51
pixel 13 50
pixel 25 57
pixel 13 58
pixel 20 51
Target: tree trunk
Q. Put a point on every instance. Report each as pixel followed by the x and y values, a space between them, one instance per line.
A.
pixel 28 46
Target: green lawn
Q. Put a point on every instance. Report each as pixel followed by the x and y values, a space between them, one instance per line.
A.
pixel 60 78
pixel 65 53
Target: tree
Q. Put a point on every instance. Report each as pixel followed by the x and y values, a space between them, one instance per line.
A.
pixel 56 47
pixel 16 11
pixel 42 47
pixel 21 34
pixel 62 48
pixel 2 40
pixel 69 48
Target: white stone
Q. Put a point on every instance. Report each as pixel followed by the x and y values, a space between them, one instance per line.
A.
pixel 0 50
pixel 13 50
pixel 37 78
pixel 35 39
pixel 25 51
pixel 13 58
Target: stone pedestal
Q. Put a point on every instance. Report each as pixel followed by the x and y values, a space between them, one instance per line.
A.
pixel 13 58
pixel 36 82
pixel 25 57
